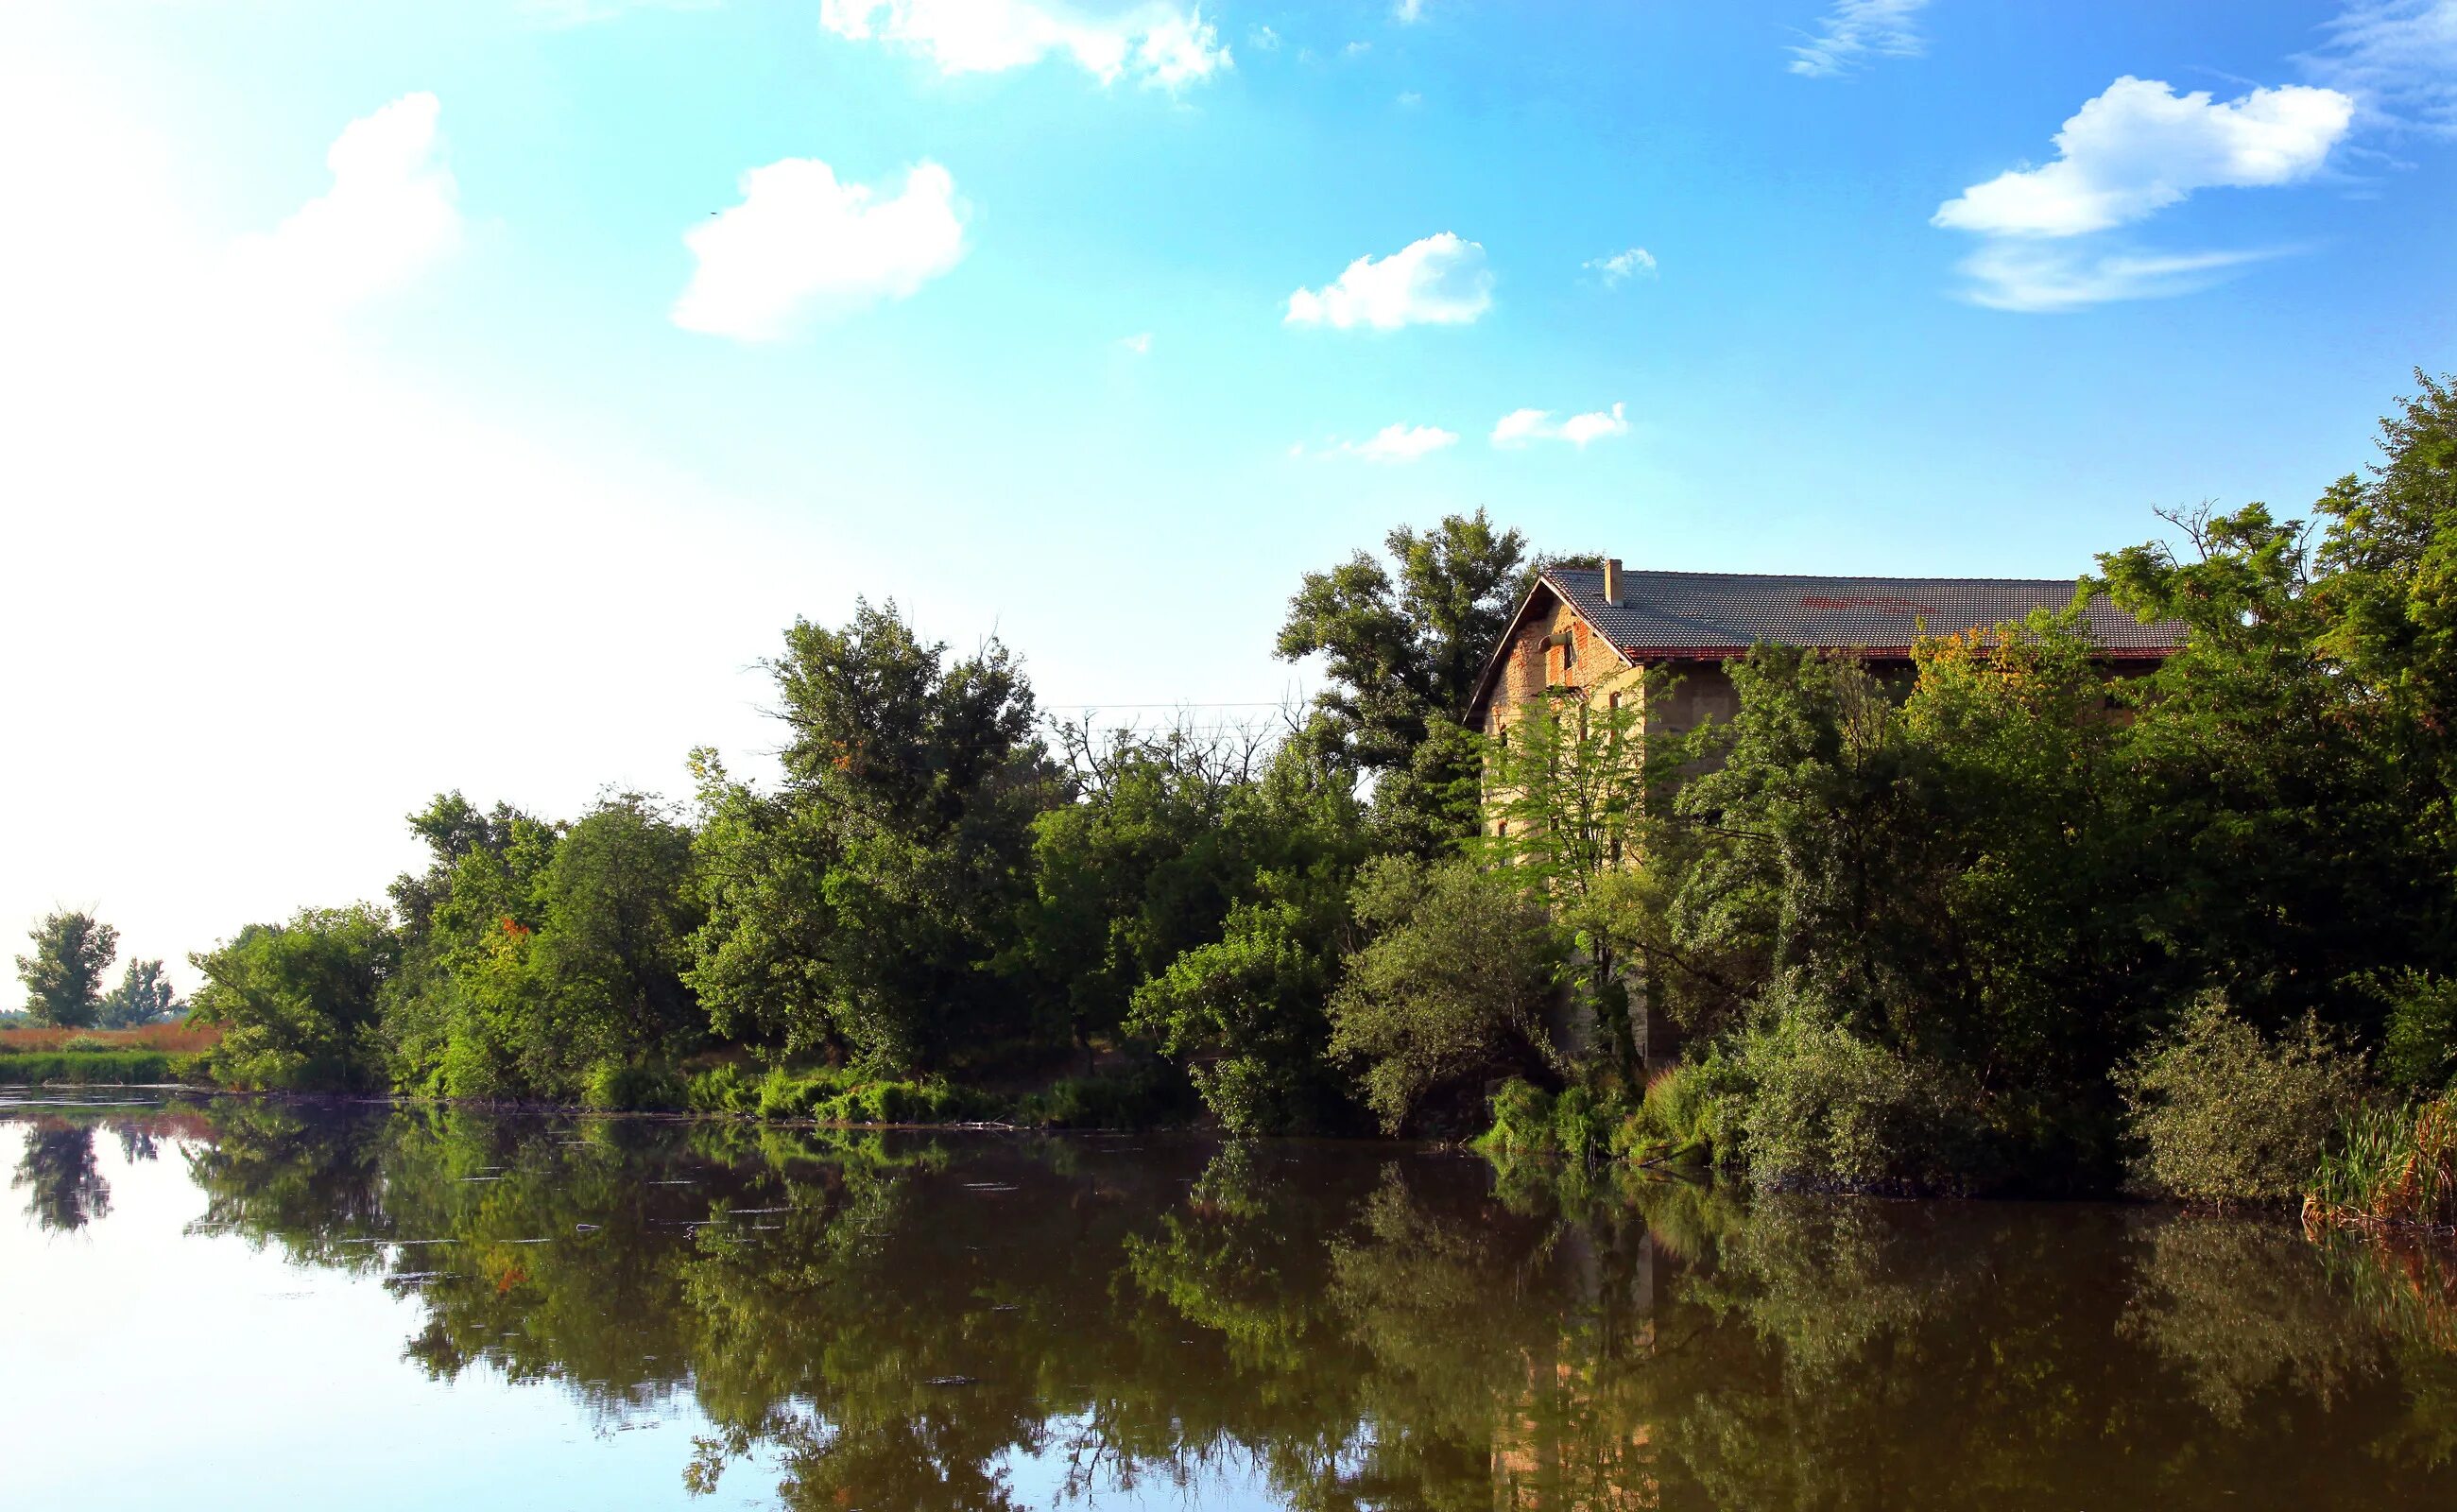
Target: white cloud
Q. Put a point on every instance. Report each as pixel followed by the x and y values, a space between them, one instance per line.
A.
pixel 391 213
pixel 2398 57
pixel 1636 262
pixel 800 244
pixel 2140 147
pixel 1356 50
pixel 1399 443
pixel 1139 344
pixel 1262 39
pixel 1522 427
pixel 2032 276
pixel 1439 281
pixel 1854 31
pixel 1158 44
pixel 1408 12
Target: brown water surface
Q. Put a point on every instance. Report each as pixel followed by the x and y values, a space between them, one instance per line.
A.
pixel 242 1304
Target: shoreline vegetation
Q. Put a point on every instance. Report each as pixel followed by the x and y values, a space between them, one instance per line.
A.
pixel 2010 925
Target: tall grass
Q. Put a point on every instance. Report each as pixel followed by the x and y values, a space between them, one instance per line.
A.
pixel 169 1038
pixel 2393 1166
pixel 94 1068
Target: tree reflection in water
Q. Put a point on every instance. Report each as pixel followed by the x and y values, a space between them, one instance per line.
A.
pixel 65 1189
pixel 904 1320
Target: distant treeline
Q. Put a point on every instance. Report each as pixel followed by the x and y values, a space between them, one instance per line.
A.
pixel 2014 924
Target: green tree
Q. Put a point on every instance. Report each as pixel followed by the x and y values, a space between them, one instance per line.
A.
pixel 63 976
pixel 869 905
pixel 144 996
pixel 1248 1011
pixel 1137 868
pixel 297 1002
pixel 1403 642
pixel 1450 988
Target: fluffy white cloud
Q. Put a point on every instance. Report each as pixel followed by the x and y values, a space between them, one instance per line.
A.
pixel 1400 442
pixel 1439 281
pixel 2029 275
pixel 1407 13
pixel 1523 427
pixel 1636 262
pixel 801 244
pixel 1856 30
pixel 2140 147
pixel 392 211
pixel 2398 57
pixel 1159 44
pixel 1139 344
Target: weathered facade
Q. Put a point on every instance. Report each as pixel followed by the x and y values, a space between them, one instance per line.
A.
pixel 1600 630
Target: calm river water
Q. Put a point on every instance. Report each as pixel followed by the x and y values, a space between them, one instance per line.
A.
pixel 240 1304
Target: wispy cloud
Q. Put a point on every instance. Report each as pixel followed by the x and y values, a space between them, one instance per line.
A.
pixel 1160 45
pixel 1635 264
pixel 1139 344
pixel 1394 443
pixel 801 244
pixel 1407 13
pixel 1853 32
pixel 2396 57
pixel 1522 427
pixel 2033 278
pixel 1438 281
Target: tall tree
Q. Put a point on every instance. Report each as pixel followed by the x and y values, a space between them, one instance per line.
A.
pixel 63 976
pixel 868 906
pixel 1403 641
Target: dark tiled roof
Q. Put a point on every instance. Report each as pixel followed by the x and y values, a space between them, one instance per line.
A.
pixel 1719 613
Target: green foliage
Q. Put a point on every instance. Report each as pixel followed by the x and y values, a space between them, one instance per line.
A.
pixel 871 905
pixel 1248 1012
pixel 2390 1165
pixel 1450 988
pixel 297 1002
pixel 537 954
pixel 1403 643
pixel 615 1086
pixel 1153 1094
pixel 144 996
pixel 2419 1046
pixel 833 1096
pixel 63 976
pixel 2223 1113
pixel 94 1068
pixel 1822 1106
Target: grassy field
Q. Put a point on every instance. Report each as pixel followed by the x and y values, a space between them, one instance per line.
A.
pixel 168 1039
pixel 158 1052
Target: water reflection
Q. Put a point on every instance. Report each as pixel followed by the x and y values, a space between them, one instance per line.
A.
pixel 65 1189
pixel 905 1322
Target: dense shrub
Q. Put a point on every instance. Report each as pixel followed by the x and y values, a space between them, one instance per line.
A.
pixel 1452 987
pixel 96 1067
pixel 2419 1048
pixel 1143 1097
pixel 1828 1107
pixel 612 1087
pixel 2223 1113
pixel 1675 1120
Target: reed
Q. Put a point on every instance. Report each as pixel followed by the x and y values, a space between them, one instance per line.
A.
pixel 168 1039
pixel 2392 1167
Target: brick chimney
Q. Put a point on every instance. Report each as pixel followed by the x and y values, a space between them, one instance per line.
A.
pixel 1612 580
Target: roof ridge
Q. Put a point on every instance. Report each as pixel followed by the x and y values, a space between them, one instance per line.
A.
pixel 1809 577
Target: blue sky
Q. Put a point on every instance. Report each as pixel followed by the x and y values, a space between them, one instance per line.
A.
pixel 405 396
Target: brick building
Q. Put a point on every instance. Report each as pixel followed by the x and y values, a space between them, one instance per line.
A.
pixel 1600 629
